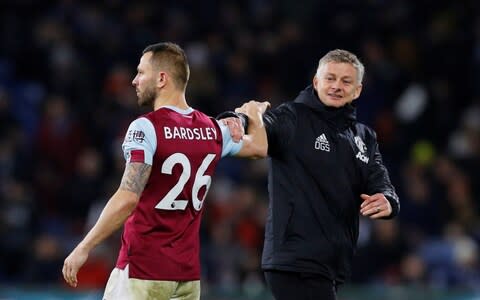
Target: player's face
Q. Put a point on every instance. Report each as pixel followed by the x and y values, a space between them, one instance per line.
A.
pixel 336 84
pixel 144 81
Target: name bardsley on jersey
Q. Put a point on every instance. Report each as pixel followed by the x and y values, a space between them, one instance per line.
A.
pixel 186 133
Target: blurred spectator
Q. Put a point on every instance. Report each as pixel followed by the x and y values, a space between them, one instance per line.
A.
pixel 60 137
pixel 452 260
pixel 413 271
pixel 44 260
pixel 17 207
pixel 81 189
pixel 387 246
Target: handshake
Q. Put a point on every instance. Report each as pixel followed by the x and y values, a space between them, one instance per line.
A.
pixel 238 121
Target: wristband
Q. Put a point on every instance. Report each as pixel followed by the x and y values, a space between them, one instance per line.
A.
pixel 229 114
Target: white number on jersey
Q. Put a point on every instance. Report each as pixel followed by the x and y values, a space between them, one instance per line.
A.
pixel 168 202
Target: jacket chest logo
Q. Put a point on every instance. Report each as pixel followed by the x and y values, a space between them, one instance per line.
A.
pixel 321 143
pixel 362 150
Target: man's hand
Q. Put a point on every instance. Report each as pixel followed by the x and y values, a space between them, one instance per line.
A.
pixel 375 206
pixel 72 264
pixel 236 128
pixel 254 110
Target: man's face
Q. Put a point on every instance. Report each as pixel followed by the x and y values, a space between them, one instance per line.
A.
pixel 144 81
pixel 337 84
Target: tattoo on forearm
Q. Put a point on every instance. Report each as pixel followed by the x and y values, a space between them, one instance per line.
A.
pixel 135 177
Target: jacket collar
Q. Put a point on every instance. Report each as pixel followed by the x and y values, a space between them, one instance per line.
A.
pixel 339 117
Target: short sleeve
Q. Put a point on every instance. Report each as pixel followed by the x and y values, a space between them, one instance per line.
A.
pixel 280 124
pixel 140 142
pixel 229 147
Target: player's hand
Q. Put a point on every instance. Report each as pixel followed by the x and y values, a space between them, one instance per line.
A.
pixel 375 206
pixel 236 128
pixel 72 264
pixel 254 110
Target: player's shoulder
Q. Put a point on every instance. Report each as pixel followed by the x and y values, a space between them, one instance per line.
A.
pixel 167 115
pixel 152 115
pixel 200 113
pixel 145 119
pixel 159 116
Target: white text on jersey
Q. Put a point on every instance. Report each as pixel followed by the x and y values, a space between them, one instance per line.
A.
pixel 185 133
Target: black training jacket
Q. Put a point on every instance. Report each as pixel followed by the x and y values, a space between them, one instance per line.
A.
pixel 321 160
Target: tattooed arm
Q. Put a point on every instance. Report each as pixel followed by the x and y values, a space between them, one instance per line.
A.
pixel 116 211
pixel 135 178
pixel 121 204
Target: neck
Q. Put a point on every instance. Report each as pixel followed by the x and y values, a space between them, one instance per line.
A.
pixel 171 98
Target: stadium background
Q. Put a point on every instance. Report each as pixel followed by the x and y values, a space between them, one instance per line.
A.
pixel 66 100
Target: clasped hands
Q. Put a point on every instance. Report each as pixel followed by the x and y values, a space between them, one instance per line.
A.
pixel 254 110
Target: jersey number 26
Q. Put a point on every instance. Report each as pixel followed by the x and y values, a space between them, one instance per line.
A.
pixel 168 202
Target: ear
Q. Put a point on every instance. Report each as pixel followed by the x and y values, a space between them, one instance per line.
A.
pixel 315 82
pixel 358 91
pixel 162 78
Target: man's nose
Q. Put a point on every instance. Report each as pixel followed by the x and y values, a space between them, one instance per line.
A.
pixel 336 84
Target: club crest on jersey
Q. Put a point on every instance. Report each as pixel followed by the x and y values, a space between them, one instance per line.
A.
pixel 362 150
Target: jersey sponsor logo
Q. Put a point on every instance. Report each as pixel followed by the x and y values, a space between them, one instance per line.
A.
pixel 137 136
pixel 321 143
pixel 362 149
pixel 185 133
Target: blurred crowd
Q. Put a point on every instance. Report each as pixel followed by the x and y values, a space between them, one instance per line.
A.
pixel 66 101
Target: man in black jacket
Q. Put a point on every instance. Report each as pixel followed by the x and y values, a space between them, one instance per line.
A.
pixel 325 168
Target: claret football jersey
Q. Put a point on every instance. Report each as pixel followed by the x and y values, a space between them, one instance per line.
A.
pixel 160 240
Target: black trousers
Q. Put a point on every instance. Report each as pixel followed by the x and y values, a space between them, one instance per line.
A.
pixel 300 286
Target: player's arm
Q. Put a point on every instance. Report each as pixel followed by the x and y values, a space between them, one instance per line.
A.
pixel 237 140
pixel 139 146
pixel 114 214
pixel 380 200
pixel 255 143
pixel 272 131
pixel 120 205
